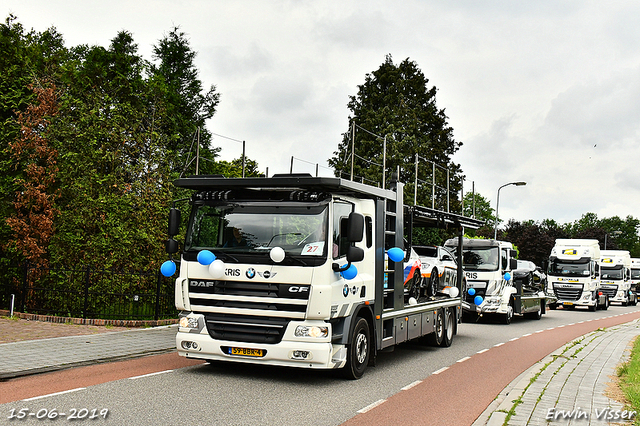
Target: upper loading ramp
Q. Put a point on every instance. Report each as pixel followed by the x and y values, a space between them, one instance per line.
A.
pixel 420 216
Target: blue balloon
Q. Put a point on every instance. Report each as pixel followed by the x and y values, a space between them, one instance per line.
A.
pixel 471 291
pixel 168 268
pixel 396 254
pixel 478 300
pixel 205 257
pixel 507 276
pixel 350 273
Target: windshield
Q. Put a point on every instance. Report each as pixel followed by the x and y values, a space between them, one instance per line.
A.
pixel 635 274
pixel 558 268
pixel 480 258
pixel 611 273
pixel 250 229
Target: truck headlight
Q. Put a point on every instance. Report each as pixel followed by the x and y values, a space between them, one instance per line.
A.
pixel 311 331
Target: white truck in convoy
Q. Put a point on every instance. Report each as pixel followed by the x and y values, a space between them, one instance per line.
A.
pixel 574 274
pixel 634 282
pixel 302 271
pixel 489 266
pixel 615 277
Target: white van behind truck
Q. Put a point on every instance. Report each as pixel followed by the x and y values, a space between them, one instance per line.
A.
pixel 574 274
pixel 615 277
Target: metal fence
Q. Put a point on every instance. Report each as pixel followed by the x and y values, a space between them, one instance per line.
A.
pixel 87 292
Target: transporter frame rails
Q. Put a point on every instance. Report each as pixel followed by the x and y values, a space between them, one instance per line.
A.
pixel 327 318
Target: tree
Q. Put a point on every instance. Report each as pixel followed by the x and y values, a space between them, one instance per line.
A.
pixel 32 223
pixel 531 238
pixel 114 182
pixel 477 206
pixel 27 59
pixel 187 106
pixel 396 103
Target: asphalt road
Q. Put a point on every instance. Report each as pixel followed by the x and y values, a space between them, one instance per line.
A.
pixel 402 383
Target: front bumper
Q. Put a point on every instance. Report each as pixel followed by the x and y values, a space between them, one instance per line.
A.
pixel 321 355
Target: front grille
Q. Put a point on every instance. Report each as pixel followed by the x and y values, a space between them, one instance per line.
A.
pixel 568 293
pixel 285 300
pixel 609 290
pixel 251 289
pixel 239 304
pixel 244 328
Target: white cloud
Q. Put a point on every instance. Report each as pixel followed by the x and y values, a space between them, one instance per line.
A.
pixel 529 87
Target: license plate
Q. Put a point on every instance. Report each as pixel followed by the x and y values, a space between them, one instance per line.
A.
pixel 568 303
pixel 246 352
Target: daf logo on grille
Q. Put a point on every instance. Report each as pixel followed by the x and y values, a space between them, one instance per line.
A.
pixel 195 283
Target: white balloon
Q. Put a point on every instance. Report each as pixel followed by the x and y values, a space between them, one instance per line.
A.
pixel 277 254
pixel 216 269
pixel 453 291
pixel 413 301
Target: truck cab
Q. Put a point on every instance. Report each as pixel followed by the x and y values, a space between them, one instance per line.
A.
pixel 634 281
pixel 615 277
pixel 574 274
pixel 489 267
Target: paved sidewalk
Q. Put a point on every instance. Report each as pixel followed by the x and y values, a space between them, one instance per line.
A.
pixel 42 355
pixel 568 387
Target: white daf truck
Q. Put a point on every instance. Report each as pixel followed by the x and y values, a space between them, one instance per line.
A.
pixel 574 274
pixel 302 271
pixel 615 277
pixel 634 282
pixel 489 268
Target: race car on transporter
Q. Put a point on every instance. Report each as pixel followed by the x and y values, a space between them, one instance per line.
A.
pixel 428 271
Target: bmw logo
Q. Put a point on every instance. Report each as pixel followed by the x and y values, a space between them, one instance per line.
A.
pixel 345 290
pixel 251 273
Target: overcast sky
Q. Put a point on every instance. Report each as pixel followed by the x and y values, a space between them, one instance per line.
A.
pixel 544 91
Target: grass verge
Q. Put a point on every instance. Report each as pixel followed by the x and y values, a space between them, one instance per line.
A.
pixel 629 374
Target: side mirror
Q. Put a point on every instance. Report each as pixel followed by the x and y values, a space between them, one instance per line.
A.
pixel 356 227
pixel 171 246
pixel 513 264
pixel 174 222
pixel 354 254
pixel 446 257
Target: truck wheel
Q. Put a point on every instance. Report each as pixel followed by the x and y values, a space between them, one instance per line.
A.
pixel 536 315
pixel 436 338
pixel 595 307
pixel 432 287
pixel 606 304
pixel 358 351
pixel 552 306
pixel 449 323
pixel 506 318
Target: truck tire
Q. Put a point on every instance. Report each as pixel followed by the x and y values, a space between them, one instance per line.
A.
pixel 436 338
pixel 358 351
pixel 506 318
pixel 595 306
pixel 449 324
pixel 536 315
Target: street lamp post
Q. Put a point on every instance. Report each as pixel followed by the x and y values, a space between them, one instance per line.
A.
pixel 495 231
pixel 614 233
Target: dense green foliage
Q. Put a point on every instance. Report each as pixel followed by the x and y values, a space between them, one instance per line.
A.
pixel 91 139
pixel 396 103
